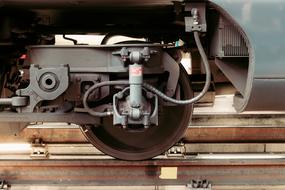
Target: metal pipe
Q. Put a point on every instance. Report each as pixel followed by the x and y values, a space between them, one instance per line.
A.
pixel 5 101
pixel 206 86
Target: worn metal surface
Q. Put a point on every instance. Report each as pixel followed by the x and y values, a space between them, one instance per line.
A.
pixel 248 119
pixel 204 128
pixel 180 187
pixel 192 135
pixel 86 151
pixel 45 84
pixel 234 134
pixel 247 127
pixel 114 172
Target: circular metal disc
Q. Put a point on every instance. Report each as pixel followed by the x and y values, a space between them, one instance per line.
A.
pixel 141 145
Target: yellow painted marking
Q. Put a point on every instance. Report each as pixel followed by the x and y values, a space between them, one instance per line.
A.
pixel 168 173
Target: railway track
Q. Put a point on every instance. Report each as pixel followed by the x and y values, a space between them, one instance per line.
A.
pixel 204 128
pixel 245 170
pixel 226 150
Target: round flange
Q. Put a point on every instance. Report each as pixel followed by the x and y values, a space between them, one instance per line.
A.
pixel 48 81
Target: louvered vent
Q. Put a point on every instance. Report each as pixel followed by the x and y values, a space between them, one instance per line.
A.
pixel 230 41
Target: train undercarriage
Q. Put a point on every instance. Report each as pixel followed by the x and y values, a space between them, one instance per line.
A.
pixel 132 99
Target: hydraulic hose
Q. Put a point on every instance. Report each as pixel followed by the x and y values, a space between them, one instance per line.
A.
pixel 95 86
pixel 153 89
pixel 206 86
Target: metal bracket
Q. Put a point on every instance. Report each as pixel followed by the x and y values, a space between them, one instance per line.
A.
pixel 124 120
pixel 126 54
pixel 171 66
pixel 39 150
pixel 199 185
pixel 197 20
pixel 177 151
pixel 4 185
pixel 45 84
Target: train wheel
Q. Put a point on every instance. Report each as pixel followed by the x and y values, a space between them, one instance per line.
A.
pixel 129 145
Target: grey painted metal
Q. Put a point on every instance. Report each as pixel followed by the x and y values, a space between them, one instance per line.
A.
pixel 236 71
pixel 103 59
pixel 197 21
pixel 45 84
pixel 6 101
pixel 172 67
pixel 264 31
pixel 122 114
pixel 265 34
pixel 135 109
pixel 14 101
pixel 135 81
pixel 260 31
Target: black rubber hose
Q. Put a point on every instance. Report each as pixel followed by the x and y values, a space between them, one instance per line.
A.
pixel 95 86
pixel 206 86
pixel 153 89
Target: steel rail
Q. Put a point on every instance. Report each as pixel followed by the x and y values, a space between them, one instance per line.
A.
pixel 152 172
pixel 192 135
pixel 204 128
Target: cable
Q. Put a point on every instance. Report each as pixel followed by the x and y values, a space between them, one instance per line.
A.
pixel 98 85
pixel 152 88
pixel 206 86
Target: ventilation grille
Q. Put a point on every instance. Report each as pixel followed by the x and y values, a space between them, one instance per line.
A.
pixel 230 41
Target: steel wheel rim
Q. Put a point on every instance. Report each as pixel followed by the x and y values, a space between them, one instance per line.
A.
pixel 122 144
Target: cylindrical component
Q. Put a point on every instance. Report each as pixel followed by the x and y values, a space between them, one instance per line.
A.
pixel 5 101
pixel 19 101
pixel 136 81
pixel 16 101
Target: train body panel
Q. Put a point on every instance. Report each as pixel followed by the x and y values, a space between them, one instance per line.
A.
pixel 264 25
